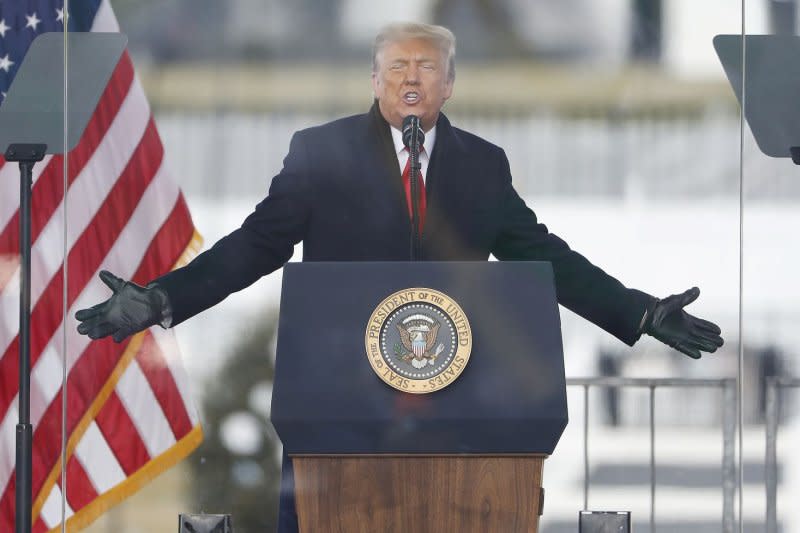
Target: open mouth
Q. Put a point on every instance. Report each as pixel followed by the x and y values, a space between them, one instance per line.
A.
pixel 411 97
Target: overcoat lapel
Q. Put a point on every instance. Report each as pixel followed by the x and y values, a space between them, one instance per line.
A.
pixel 446 160
pixel 447 175
pixel 379 162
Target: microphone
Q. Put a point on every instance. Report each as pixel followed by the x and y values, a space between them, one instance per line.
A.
pixel 412 133
pixel 413 137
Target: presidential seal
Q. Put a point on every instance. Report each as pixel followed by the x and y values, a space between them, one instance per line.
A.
pixel 418 340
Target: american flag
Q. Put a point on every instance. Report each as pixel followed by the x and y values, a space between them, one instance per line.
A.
pixel 129 411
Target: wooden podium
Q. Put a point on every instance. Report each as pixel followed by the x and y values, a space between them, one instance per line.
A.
pixel 390 493
pixel 368 457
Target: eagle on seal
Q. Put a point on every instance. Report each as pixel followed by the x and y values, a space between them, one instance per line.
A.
pixel 418 335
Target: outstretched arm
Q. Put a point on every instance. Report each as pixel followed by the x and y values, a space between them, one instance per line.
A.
pixel 592 293
pixel 263 243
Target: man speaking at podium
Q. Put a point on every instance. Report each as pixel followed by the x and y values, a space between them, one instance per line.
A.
pixel 344 191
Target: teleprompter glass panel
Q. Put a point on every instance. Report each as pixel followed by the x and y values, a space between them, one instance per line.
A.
pixel 770 189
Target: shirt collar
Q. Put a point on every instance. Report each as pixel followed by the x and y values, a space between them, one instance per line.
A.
pixel 397 137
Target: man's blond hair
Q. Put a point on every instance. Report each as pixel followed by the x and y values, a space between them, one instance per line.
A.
pixel 402 31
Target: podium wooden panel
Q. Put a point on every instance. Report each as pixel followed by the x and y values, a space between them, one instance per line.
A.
pixel 392 493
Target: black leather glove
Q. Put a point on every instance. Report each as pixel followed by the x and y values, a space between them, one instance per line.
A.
pixel 670 324
pixel 130 309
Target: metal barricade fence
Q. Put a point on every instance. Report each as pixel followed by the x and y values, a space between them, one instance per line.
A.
pixel 772 413
pixel 728 399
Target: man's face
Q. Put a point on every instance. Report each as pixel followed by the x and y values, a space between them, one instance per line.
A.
pixel 411 80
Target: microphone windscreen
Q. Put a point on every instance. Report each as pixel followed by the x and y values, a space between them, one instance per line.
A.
pixel 412 126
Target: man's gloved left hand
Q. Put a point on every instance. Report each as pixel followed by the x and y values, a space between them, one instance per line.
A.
pixel 670 324
pixel 130 309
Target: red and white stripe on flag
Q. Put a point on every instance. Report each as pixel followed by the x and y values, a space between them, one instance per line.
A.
pixel 130 415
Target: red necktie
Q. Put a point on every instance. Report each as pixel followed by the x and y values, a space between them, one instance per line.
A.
pixel 420 191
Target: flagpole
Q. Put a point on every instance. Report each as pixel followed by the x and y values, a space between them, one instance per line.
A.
pixel 27 155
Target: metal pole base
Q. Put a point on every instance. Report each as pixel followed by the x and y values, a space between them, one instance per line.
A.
pixel 204 523
pixel 22 518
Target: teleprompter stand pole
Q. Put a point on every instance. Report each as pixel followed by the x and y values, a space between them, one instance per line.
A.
pixel 27 155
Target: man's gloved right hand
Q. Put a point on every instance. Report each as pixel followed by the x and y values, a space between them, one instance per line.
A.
pixel 130 309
